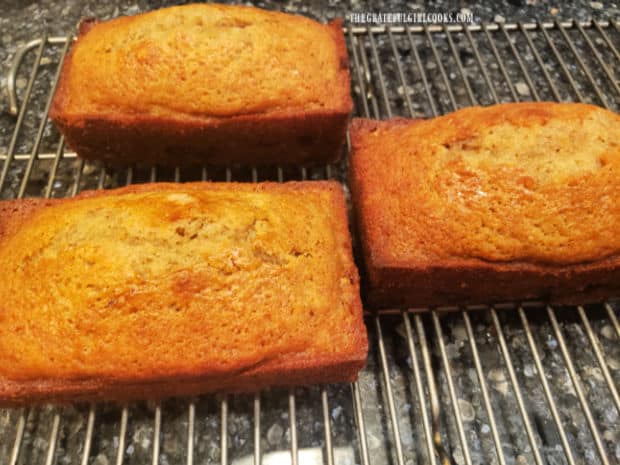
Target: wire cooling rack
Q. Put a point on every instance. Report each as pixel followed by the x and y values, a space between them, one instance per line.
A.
pixel 523 384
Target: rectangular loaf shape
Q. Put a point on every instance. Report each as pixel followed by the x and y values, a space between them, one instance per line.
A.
pixel 177 289
pixel 505 203
pixel 206 83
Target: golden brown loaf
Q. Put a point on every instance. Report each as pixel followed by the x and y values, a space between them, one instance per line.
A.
pixel 167 289
pixel 206 83
pixel 515 201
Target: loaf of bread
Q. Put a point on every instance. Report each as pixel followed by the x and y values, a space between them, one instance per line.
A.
pixel 172 289
pixel 485 205
pixel 206 83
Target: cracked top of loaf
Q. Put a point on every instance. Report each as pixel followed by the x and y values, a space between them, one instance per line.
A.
pixel 513 183
pixel 177 279
pixel 205 61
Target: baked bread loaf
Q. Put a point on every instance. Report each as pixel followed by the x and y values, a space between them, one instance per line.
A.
pixel 172 289
pixel 485 205
pixel 206 83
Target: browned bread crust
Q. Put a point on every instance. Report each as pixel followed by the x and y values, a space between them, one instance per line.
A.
pixel 511 202
pixel 160 290
pixel 201 83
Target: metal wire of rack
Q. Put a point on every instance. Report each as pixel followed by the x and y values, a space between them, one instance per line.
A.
pixel 532 384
